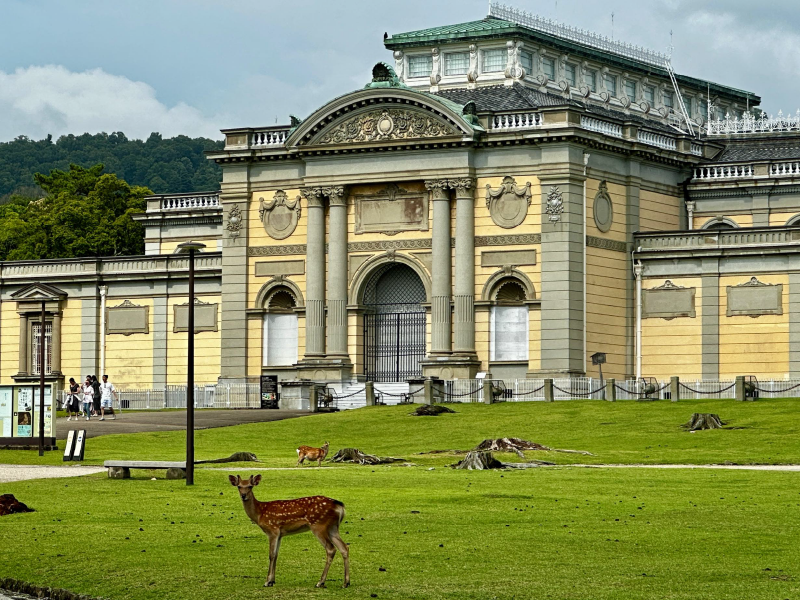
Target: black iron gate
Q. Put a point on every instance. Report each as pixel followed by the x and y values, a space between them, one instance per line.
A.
pixel 394 343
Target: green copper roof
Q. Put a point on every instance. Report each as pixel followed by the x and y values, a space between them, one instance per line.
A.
pixel 455 32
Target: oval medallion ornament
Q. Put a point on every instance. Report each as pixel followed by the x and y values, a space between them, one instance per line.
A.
pixel 603 209
pixel 508 204
pixel 280 215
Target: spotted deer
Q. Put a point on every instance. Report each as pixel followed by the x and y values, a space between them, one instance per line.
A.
pixel 311 453
pixel 318 514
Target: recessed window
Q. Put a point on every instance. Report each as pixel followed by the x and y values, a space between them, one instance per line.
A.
pixel 526 60
pixel 590 80
pixel 456 63
pixel 630 90
pixel 611 85
pixel 649 94
pixel 494 60
pixel 549 68
pixel 669 100
pixel 36 331
pixel 720 113
pixel 702 107
pixel 570 74
pixel 420 65
pixel 687 102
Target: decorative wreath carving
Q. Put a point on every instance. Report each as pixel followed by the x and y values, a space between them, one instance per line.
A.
pixel 508 204
pixel 234 225
pixel 555 204
pixel 280 215
pixel 386 124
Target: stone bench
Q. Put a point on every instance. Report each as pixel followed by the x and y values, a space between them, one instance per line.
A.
pixel 121 469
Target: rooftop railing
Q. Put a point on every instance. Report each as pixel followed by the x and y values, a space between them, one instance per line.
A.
pixel 269 138
pixel 190 202
pixel 723 172
pixel 511 122
pixel 600 126
pixel 712 238
pixel 656 139
pixel 75 267
pixel 750 124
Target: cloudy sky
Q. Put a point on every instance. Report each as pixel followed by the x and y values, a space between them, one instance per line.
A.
pixel 197 66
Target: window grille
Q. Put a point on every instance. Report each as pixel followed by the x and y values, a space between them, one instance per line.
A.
pixel 649 93
pixel 526 59
pixel 611 85
pixel 630 90
pixel 36 331
pixel 456 63
pixel 494 60
pixel 549 68
pixel 590 80
pixel 570 75
pixel 420 65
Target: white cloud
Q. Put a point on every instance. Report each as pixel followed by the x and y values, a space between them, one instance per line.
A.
pixel 51 99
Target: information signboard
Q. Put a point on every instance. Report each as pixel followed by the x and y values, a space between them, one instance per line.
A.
pixel 269 391
pixel 6 410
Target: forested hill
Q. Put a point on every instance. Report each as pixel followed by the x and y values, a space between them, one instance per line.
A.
pixel 169 165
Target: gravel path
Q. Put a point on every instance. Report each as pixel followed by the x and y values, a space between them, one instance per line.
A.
pixel 733 467
pixel 25 472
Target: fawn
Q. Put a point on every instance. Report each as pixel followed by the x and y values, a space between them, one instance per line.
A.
pixel 278 518
pixel 311 453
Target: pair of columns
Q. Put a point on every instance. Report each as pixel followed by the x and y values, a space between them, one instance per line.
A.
pixel 464 285
pixel 316 293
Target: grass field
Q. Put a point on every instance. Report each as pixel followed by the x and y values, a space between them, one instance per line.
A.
pixel 556 532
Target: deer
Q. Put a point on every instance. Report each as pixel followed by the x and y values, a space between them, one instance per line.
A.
pixel 318 514
pixel 311 453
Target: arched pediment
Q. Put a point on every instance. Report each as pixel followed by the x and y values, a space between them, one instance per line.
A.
pixel 376 116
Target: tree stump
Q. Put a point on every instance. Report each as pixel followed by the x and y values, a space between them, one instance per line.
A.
pixel 507 444
pixel 704 421
pixel 176 473
pixel 478 461
pixel 354 455
pixel 119 473
pixel 431 410
pixel 235 457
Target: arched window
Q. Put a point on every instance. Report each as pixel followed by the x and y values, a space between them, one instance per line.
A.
pixel 720 224
pixel 509 321
pixel 280 329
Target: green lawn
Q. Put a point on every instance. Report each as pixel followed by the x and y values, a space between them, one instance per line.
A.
pixel 557 532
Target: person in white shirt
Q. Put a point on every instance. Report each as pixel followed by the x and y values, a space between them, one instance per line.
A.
pixel 108 393
pixel 88 396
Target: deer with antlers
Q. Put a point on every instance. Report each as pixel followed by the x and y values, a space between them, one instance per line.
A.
pixel 318 514
pixel 311 453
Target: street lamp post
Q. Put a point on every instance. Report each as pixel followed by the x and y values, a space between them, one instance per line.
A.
pixel 42 359
pixel 191 248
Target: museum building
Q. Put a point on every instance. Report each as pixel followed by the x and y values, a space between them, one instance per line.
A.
pixel 507 196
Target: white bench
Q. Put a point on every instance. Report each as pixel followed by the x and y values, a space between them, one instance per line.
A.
pixel 121 469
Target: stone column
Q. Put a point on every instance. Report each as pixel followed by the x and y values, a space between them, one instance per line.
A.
pixel 464 297
pixel 442 270
pixel 55 340
pixel 23 343
pixel 337 272
pixel 315 274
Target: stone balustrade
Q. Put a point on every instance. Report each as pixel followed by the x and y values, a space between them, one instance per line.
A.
pixel 689 240
pixel 657 139
pixel 784 169
pixel 723 172
pixel 600 126
pixel 269 138
pixel 697 149
pixel 517 121
pixel 190 202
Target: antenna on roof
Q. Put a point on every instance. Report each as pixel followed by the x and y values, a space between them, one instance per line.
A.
pixel 612 25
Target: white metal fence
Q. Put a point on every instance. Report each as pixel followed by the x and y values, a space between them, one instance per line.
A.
pixel 213 395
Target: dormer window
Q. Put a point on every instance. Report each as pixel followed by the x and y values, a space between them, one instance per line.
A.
pixel 630 90
pixel 570 74
pixel 494 61
pixel 649 94
pixel 590 79
pixel 526 60
pixel 456 63
pixel 611 85
pixel 420 65
pixel 549 68
pixel 669 100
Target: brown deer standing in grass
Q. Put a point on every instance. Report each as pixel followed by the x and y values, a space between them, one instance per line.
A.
pixel 311 453
pixel 318 514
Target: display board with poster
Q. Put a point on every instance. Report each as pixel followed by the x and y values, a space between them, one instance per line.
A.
pixel 269 391
pixel 6 410
pixel 25 417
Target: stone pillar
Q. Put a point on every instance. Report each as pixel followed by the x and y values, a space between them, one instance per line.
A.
pixel 710 318
pixel 23 343
pixel 674 389
pixel 548 390
pixel 315 274
pixel 464 297
pixel 611 390
pixel 488 396
pixel 739 388
pixel 55 341
pixel 337 272
pixel 369 393
pixel 442 271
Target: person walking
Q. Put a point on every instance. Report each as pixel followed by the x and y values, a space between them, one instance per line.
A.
pixel 97 396
pixel 88 397
pixel 108 393
pixel 73 403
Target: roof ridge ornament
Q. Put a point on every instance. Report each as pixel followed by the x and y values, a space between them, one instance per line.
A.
pixel 384 76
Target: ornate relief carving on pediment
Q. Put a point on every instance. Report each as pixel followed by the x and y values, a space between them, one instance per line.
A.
pixel 279 215
pixel 386 124
pixel 508 204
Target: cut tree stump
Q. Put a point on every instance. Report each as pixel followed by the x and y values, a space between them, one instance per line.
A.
pixel 704 421
pixel 354 455
pixel 509 444
pixel 478 461
pixel 235 457
pixel 431 410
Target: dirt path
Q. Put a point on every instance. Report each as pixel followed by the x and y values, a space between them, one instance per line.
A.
pixel 24 472
pixel 732 467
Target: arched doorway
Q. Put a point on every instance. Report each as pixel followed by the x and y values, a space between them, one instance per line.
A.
pixel 394 324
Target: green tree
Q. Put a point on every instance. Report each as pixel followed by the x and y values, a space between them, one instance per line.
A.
pixel 85 212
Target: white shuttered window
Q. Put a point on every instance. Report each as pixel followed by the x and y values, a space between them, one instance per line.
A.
pixel 509 337
pixel 280 339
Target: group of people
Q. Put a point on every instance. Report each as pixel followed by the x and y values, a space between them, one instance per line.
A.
pixel 96 397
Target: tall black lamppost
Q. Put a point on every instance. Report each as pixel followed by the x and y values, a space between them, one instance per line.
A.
pixel 42 360
pixel 191 248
